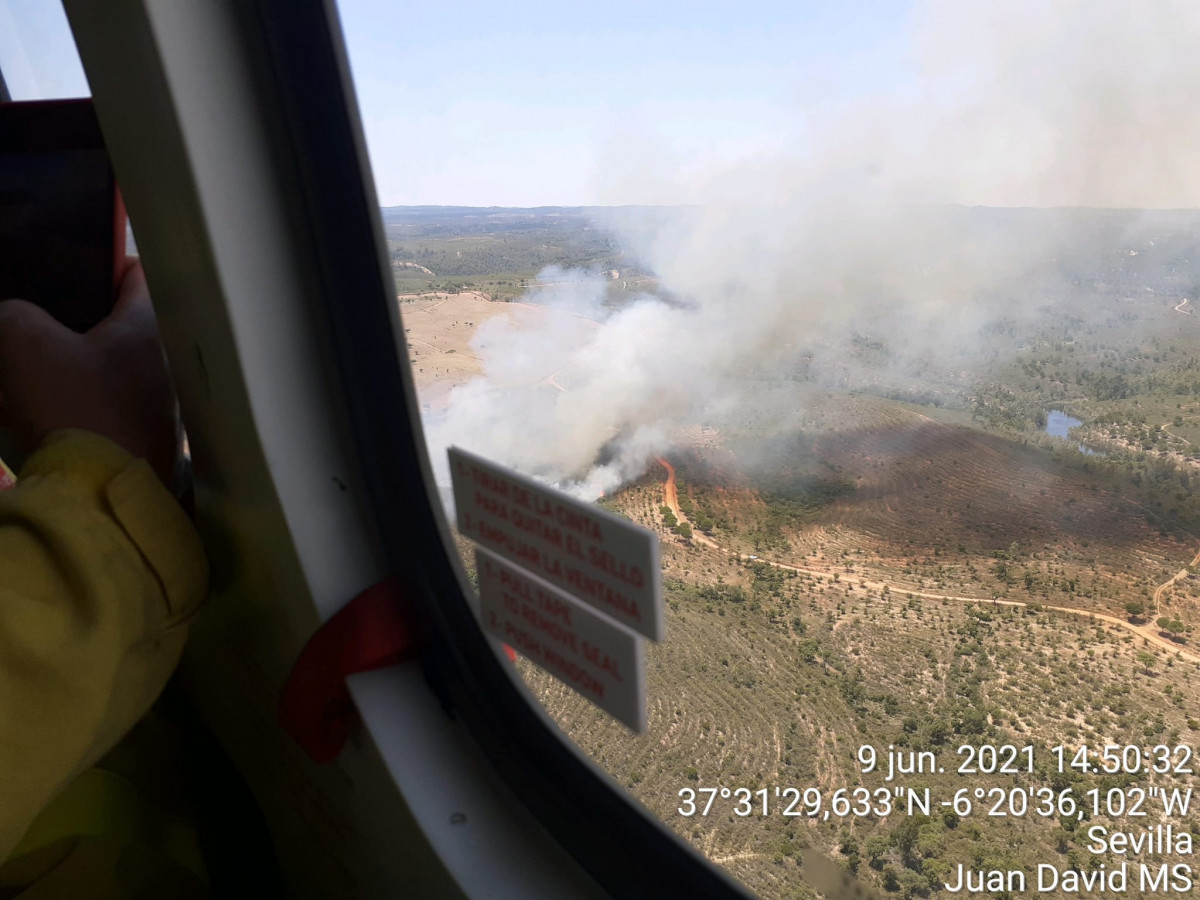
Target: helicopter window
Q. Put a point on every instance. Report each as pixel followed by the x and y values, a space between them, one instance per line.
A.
pixel 880 316
pixel 38 60
pixel 234 132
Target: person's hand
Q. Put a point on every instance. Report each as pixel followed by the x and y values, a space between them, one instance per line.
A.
pixel 112 380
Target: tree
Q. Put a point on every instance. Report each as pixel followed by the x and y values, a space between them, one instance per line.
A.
pixel 877 849
pixel 891 879
pixel 684 530
pixel 808 650
pixel 1171 626
pixel 1135 608
pixel 972 721
pixel 906 835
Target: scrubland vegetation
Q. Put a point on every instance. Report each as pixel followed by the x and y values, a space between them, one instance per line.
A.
pixel 771 677
pixel 874 552
pixel 499 251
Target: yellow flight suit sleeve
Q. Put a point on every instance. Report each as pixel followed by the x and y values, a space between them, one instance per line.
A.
pixel 100 572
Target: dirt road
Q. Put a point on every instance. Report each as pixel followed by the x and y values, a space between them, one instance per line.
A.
pixel 1162 588
pixel 671 500
pixel 1166 585
pixel 1145 632
pixel 670 492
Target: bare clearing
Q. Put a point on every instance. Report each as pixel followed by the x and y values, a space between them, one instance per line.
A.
pixel 439 328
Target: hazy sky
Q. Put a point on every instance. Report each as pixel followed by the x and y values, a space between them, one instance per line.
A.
pixel 996 102
pixel 527 103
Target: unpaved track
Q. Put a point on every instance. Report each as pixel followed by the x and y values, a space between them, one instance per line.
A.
pixel 1166 585
pixel 1162 588
pixel 670 491
pixel 671 499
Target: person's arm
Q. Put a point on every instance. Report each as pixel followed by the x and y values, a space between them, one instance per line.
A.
pixel 99 567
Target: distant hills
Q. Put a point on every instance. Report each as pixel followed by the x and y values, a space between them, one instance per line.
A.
pixel 450 215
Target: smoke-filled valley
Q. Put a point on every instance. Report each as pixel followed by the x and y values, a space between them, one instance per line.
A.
pixel 584 379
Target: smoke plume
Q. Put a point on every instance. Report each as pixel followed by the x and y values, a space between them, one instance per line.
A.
pixel 863 234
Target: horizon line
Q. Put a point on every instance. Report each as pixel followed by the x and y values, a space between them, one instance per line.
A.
pixel 1145 209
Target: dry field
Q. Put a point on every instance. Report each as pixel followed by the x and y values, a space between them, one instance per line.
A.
pixel 438 329
pixel 780 689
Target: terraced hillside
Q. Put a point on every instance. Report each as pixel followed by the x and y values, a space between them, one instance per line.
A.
pixel 774 676
pixel 780 688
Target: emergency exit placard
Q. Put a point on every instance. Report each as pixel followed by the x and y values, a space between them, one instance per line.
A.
pixel 598 659
pixel 604 561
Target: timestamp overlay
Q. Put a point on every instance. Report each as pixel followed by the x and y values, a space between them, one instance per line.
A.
pixel 1111 819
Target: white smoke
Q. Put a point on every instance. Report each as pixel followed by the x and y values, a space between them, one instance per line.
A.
pixel 1016 103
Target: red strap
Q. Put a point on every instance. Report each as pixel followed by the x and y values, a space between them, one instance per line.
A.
pixel 7 478
pixel 380 627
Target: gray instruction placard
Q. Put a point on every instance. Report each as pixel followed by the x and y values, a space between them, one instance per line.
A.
pixel 604 561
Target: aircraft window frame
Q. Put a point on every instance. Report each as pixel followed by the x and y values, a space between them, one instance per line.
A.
pixel 580 805
pixel 295 59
